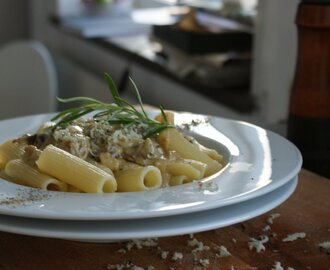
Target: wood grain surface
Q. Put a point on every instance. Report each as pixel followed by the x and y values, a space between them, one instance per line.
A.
pixel 306 212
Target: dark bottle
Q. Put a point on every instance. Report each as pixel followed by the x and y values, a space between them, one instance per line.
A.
pixel 309 112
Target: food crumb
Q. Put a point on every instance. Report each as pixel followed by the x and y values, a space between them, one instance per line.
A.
pixel 177 256
pixel 140 243
pixel 257 244
pixel 277 266
pixel 164 254
pixel 204 262
pixel 294 236
pixel 325 246
pixel 223 252
pixel 126 265
pixel 198 244
pixel 266 228
pixel 270 219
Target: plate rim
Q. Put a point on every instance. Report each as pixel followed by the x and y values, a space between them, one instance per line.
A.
pixel 96 236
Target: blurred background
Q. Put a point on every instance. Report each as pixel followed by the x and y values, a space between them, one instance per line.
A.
pixel 230 58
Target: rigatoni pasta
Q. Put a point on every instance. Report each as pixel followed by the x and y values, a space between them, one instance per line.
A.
pixel 75 171
pixel 172 140
pixel 139 178
pixel 182 168
pixel 10 150
pixel 178 180
pixel 21 173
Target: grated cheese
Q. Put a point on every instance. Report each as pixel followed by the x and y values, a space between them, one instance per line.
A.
pixel 128 265
pixel 294 236
pixel 271 218
pixel 325 246
pixel 266 228
pixel 164 254
pixel 198 244
pixel 258 245
pixel 90 137
pixel 177 256
pixel 140 243
pixel 277 266
pixel 223 252
pixel 204 262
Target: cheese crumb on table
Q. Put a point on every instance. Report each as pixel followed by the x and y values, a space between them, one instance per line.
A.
pixel 164 254
pixel 140 243
pixel 204 262
pixel 325 246
pixel 127 265
pixel 177 256
pixel 198 244
pixel 277 266
pixel 223 252
pixel 271 218
pixel 257 244
pixel 266 228
pixel 294 236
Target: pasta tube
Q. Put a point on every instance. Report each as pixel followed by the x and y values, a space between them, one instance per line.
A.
pixel 210 152
pixel 138 178
pixel 200 166
pixel 108 161
pixel 172 140
pixel 100 165
pixel 10 150
pixel 169 115
pixel 75 171
pixel 181 168
pixel 23 174
pixel 178 180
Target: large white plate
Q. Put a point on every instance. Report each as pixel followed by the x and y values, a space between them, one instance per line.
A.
pixel 114 230
pixel 259 161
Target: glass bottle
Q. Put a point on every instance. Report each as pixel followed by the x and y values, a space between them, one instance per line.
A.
pixel 309 111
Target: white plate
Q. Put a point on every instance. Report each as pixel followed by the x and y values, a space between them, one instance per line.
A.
pixel 115 230
pixel 260 161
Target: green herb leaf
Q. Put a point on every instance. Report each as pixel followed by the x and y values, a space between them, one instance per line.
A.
pixel 155 130
pixel 113 88
pixel 119 112
pixel 138 96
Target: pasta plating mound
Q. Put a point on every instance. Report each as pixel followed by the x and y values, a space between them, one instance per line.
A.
pixel 119 149
pixel 91 155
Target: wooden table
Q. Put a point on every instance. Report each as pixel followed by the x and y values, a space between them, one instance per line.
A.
pixel 306 215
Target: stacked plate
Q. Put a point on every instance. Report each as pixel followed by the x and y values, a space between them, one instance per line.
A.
pixel 261 174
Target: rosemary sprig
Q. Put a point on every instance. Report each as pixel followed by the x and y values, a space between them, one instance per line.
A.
pixel 119 112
